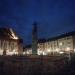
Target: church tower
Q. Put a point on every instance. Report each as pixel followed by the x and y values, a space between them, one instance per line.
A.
pixel 34 39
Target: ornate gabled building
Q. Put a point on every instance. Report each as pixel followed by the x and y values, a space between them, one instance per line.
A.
pixel 10 43
pixel 63 44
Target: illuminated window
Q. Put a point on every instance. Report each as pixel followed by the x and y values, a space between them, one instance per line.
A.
pixel 44 53
pixel 60 43
pixel 48 50
pixel 74 49
pixel 57 49
pixel 68 49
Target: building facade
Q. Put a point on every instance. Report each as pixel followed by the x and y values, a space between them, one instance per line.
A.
pixel 27 50
pixel 62 44
pixel 10 43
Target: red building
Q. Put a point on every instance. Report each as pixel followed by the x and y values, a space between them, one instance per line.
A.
pixel 10 43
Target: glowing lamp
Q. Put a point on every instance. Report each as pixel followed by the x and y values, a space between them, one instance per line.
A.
pixel 60 44
pixel 74 49
pixel 48 50
pixel 24 53
pixel 44 53
pixel 61 52
pixel 67 49
pixel 28 52
pixel 39 52
pixel 57 49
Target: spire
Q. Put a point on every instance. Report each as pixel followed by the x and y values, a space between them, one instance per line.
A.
pixel 34 28
pixel 34 39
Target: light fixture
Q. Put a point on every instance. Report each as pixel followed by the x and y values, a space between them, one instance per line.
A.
pixel 40 52
pixel 44 53
pixel 74 49
pixel 16 53
pixel 68 49
pixel 57 49
pixel 48 50
pixel 60 44
pixel 61 52
pixel 28 52
pixel 24 53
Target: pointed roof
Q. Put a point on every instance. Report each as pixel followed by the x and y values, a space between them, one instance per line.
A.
pixel 7 33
